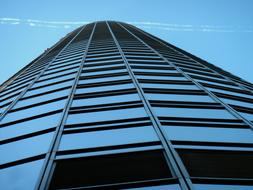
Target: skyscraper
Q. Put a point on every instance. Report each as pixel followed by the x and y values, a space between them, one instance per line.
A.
pixel 113 107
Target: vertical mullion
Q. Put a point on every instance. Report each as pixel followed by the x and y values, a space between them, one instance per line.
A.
pixel 35 79
pixel 213 96
pixel 177 166
pixel 49 163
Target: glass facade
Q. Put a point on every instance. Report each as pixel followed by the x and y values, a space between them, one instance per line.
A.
pixel 113 107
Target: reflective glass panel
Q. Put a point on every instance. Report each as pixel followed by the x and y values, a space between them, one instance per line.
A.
pixel 169 86
pixel 230 92
pixel 105 100
pixel 48 88
pixel 104 72
pixel 20 177
pixel 30 126
pixel 247 115
pixel 195 113
pixel 222 187
pixel 53 80
pixel 88 81
pixel 108 138
pixel 42 98
pixel 160 77
pixel 104 88
pixel 25 148
pixel 58 74
pixel 179 97
pixel 106 115
pixel 158 187
pixel 209 134
pixel 237 102
pixel 155 70
pixel 34 111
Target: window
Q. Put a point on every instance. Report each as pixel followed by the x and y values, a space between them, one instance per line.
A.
pixel 29 126
pixel 169 86
pixel 36 110
pixel 237 102
pixel 60 68
pixel 104 62
pixel 162 70
pixel 25 148
pixel 111 86
pixel 41 98
pixel 102 55
pixel 27 75
pixel 102 66
pixel 103 79
pixel 248 116
pixel 148 63
pixel 109 68
pixel 103 138
pixel 106 115
pixel 194 67
pixel 13 90
pixel 141 66
pixel 222 187
pixel 78 52
pixel 199 74
pixel 205 82
pixel 63 63
pixel 218 163
pixel 193 113
pixel 179 97
pixel 54 80
pixel 231 91
pixel 179 58
pixel 211 73
pixel 23 176
pixel 58 74
pixel 8 101
pixel 61 84
pixel 74 59
pixel 106 99
pixel 72 55
pixel 104 72
pixel 103 58
pixel 56 67
pixel 144 57
pixel 22 82
pixel 158 187
pixel 161 77
pixel 209 134
pixel 110 169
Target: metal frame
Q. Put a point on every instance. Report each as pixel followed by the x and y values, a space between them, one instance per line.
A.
pixel 171 154
pixel 49 164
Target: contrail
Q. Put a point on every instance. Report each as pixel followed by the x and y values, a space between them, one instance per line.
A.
pixel 170 27
pixel 41 23
pixel 191 28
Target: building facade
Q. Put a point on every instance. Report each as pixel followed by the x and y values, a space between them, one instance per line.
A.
pixel 113 107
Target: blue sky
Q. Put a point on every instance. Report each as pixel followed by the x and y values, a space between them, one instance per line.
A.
pixel 219 31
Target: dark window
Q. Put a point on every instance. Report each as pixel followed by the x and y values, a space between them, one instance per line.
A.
pixel 110 169
pixel 217 163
